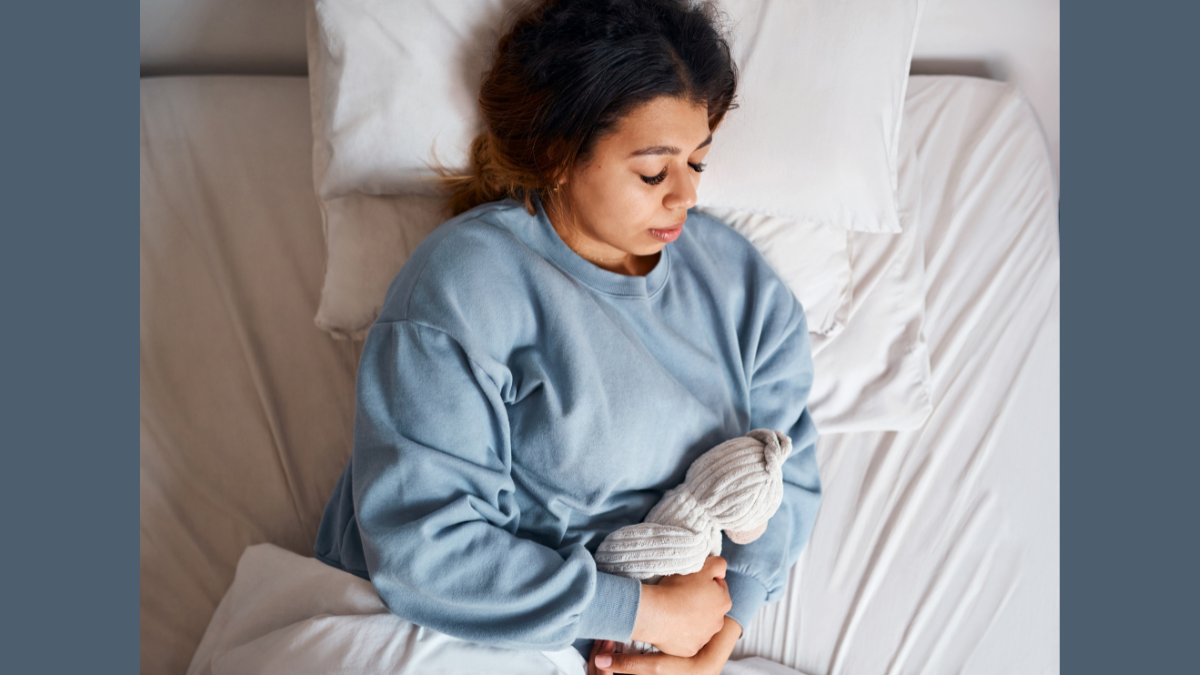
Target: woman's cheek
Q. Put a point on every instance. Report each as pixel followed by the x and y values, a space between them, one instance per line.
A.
pixel 628 211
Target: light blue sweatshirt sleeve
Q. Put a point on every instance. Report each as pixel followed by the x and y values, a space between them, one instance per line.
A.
pixel 434 497
pixel 780 362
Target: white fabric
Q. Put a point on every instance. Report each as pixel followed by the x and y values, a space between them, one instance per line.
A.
pixel 734 488
pixel 817 133
pixel 286 614
pixel 873 375
pixel 394 84
pixel 816 138
pixel 811 258
pixel 756 665
pixel 368 237
pixel 936 550
pixel 290 615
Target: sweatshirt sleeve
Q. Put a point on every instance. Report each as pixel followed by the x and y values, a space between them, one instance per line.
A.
pixel 436 509
pixel 781 377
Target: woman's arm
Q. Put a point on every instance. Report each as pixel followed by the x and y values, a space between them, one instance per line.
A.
pixel 779 361
pixel 435 505
pixel 708 661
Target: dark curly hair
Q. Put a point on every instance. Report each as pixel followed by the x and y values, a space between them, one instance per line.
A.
pixel 565 74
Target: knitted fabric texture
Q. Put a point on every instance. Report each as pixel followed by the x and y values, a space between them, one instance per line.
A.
pixel 735 487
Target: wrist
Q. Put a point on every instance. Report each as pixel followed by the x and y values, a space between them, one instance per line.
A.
pixel 649 615
pixel 729 635
pixel 732 625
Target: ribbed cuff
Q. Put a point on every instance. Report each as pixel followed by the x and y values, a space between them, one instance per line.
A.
pixel 747 595
pixel 613 610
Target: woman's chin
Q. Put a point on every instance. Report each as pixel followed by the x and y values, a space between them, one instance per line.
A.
pixel 647 250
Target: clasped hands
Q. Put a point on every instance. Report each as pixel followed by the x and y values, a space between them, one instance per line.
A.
pixel 684 617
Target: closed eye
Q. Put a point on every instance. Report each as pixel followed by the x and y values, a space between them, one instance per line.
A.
pixel 655 180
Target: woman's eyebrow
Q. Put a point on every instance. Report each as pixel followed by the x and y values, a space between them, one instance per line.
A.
pixel 666 149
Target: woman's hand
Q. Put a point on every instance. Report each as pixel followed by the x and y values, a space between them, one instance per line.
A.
pixel 708 661
pixel 683 612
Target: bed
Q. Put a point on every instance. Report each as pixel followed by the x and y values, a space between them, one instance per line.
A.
pixel 936 549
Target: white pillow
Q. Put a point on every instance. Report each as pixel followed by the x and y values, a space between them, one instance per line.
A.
pixel 872 371
pixel 369 238
pixel 874 374
pixel 822 93
pixel 812 259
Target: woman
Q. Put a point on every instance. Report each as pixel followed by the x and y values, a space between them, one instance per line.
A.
pixel 551 360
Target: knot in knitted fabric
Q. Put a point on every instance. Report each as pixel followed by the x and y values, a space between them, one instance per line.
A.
pixel 735 487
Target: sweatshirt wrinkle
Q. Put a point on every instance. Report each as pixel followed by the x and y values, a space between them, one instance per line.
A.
pixel 515 404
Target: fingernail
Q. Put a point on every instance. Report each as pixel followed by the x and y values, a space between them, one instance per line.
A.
pixel 603 661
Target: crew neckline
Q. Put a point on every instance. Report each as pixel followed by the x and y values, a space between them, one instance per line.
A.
pixel 596 277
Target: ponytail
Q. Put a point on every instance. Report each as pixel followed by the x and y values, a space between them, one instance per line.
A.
pixel 491 178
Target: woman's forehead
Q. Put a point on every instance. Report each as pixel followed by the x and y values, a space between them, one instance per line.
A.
pixel 663 126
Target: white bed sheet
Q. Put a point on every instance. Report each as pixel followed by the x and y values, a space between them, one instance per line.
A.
pixel 246 406
pixel 936 550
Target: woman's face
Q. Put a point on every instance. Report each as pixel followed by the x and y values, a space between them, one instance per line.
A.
pixel 632 194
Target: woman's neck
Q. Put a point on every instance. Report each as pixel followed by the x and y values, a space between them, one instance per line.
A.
pixel 602 256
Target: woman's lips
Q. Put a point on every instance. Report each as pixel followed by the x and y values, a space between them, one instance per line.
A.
pixel 668 235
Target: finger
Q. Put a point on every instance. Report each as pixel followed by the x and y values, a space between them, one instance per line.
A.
pixel 602 663
pixel 591 664
pixel 599 647
pixel 639 664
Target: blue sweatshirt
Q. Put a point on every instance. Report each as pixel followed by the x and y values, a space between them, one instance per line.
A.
pixel 516 403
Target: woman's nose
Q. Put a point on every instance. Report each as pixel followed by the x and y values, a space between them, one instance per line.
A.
pixel 682 194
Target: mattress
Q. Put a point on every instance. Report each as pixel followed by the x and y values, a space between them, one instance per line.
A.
pixel 935 550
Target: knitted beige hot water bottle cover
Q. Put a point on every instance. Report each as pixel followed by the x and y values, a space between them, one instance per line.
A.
pixel 736 487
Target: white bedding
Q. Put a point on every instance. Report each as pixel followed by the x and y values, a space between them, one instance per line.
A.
pixel 935 550
pixel 292 615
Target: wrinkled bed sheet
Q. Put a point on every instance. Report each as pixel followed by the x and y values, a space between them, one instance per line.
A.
pixel 935 550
